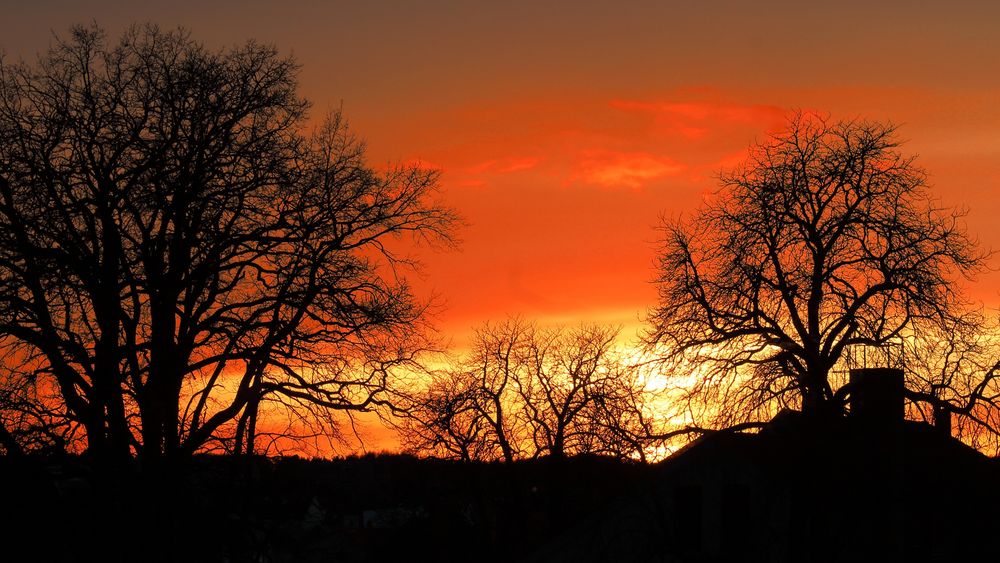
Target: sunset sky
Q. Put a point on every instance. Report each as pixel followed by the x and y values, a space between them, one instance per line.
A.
pixel 564 130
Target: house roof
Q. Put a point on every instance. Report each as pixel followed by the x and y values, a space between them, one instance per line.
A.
pixel 794 444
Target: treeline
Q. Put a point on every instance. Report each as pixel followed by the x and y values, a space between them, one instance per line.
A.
pixel 525 392
pixel 369 508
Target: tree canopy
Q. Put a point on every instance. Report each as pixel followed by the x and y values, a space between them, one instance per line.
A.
pixel 524 392
pixel 825 240
pixel 176 247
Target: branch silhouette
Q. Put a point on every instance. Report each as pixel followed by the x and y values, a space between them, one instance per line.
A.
pixel 824 241
pixel 175 250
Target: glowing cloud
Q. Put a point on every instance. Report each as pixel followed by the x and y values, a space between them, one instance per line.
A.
pixel 504 165
pixel 631 170
pixel 680 115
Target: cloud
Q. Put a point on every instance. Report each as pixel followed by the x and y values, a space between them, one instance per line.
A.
pixel 518 164
pixel 606 143
pixel 684 115
pixel 624 169
pixel 503 165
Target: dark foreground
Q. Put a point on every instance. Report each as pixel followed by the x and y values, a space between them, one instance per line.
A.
pixel 791 493
pixel 372 508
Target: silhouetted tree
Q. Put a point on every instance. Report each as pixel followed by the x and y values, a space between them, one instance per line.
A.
pixel 174 250
pixel 447 418
pixel 579 394
pixel 953 379
pixel 30 420
pixel 471 411
pixel 824 239
pixel 525 392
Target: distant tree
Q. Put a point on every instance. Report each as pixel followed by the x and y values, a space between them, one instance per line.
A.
pixel 447 419
pixel 579 394
pixel 175 250
pixel 525 392
pixel 470 411
pixel 825 239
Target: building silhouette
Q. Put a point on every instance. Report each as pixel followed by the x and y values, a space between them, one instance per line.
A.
pixel 870 486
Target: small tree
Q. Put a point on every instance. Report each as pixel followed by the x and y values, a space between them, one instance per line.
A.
pixel 824 239
pixel 578 393
pixel 525 392
pixel 471 411
pixel 447 419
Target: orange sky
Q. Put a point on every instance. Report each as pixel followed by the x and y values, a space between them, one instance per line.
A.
pixel 565 132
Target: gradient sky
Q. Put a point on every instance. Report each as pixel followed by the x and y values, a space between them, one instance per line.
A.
pixel 564 130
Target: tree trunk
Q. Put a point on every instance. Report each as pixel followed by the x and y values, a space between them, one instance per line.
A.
pixel 559 444
pixel 9 443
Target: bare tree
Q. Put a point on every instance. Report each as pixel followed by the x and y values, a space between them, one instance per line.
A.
pixel 474 405
pixel 31 417
pixel 953 379
pixel 572 376
pixel 446 419
pixel 525 392
pixel 824 239
pixel 620 419
pixel 175 250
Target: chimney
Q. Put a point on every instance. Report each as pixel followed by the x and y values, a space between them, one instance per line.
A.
pixel 942 414
pixel 877 395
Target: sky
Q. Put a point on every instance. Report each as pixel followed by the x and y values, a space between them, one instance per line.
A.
pixel 565 131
